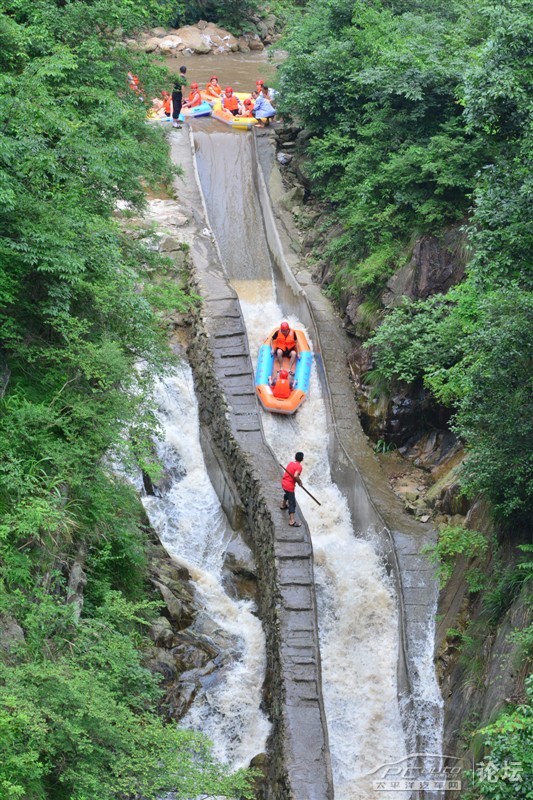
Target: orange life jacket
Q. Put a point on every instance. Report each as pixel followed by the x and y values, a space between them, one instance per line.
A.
pixel 167 105
pixel 285 342
pixel 231 102
pixel 194 99
pixel 213 90
pixel 282 388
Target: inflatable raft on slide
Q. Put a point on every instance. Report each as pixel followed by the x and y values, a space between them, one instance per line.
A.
pixel 267 372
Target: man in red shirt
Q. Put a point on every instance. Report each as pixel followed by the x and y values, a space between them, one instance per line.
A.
pixel 291 477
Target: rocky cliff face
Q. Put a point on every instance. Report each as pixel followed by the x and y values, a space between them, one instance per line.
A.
pixel 480 666
pixel 434 264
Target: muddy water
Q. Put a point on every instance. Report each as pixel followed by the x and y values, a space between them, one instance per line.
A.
pixel 239 70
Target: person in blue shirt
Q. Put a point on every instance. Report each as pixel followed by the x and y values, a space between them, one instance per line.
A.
pixel 263 108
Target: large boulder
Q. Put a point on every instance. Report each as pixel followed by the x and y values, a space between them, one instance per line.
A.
pixel 221 40
pixel 169 43
pixel 11 634
pixel 151 45
pixel 193 39
pixel 203 38
pixel 255 43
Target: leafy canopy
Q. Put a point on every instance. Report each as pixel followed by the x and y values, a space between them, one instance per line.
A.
pixel 77 706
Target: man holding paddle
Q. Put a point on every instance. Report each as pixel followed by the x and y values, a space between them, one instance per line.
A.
pixel 291 477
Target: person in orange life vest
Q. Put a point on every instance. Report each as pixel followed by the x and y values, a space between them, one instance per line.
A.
pixel 213 88
pixel 281 385
pixel 135 84
pixel 248 106
pixel 167 103
pixel 284 343
pixel 194 99
pixel 291 477
pixel 133 81
pixel 231 103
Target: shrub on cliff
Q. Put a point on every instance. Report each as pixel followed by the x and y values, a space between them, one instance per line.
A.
pixel 421 115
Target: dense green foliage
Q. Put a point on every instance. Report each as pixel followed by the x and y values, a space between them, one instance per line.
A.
pixel 505 772
pixel 76 704
pixel 74 713
pixel 233 14
pixel 421 114
pixel 377 83
pixel 455 541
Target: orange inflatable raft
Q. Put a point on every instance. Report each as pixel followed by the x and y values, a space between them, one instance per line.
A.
pixel 277 393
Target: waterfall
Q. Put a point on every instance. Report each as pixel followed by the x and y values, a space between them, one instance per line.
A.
pixel 358 614
pixel 194 530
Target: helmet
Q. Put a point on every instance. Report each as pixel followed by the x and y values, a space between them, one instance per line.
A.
pixel 247 102
pixel 284 326
pixel 194 86
pixel 283 373
pixel 259 82
pixel 213 78
pixel 229 90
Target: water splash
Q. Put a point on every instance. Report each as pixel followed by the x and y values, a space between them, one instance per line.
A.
pixel 357 610
pixel 194 530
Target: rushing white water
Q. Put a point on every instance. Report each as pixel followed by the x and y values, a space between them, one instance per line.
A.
pixel 194 530
pixel 357 611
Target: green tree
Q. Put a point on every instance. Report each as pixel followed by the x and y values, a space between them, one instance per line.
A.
pixel 77 706
pixel 377 84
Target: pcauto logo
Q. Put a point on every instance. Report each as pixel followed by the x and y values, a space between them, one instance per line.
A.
pixel 420 771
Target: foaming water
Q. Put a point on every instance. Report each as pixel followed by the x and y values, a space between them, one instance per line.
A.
pixel 357 611
pixel 194 530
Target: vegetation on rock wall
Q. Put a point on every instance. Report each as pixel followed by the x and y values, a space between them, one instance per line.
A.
pixel 233 14
pixel 421 116
pixel 77 706
pixel 418 117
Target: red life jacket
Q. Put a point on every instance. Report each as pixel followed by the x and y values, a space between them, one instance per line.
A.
pixel 213 90
pixel 285 342
pixel 282 388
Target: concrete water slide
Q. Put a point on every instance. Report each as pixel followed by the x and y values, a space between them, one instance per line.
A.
pixel 245 474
